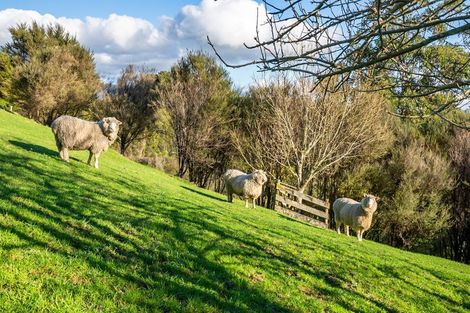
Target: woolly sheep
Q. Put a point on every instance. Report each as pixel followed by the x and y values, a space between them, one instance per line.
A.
pixel 357 215
pixel 77 134
pixel 248 186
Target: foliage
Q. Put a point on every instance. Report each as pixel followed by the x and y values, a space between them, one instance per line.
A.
pixel 413 182
pixel 456 243
pixel 437 65
pixel 131 101
pixel 54 74
pixel 418 212
pixel 157 148
pixel 128 238
pixel 6 76
pixel 197 94
pixel 157 143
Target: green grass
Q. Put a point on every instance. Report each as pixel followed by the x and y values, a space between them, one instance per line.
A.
pixel 129 238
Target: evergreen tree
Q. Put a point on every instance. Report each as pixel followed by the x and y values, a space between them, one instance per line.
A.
pixel 53 73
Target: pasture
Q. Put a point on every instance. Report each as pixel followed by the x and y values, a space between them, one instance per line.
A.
pixel 129 238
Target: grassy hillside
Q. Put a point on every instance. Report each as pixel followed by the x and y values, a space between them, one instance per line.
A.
pixel 129 238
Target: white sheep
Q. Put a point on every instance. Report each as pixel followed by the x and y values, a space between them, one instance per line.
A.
pixel 248 186
pixel 77 134
pixel 357 215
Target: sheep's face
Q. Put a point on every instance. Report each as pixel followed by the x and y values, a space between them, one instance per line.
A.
pixel 111 126
pixel 260 177
pixel 369 203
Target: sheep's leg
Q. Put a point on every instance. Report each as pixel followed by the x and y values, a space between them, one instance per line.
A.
pixel 246 203
pixel 254 206
pixel 360 233
pixel 338 227
pixel 89 158
pixel 346 230
pixel 97 155
pixel 64 154
pixel 59 147
pixel 229 196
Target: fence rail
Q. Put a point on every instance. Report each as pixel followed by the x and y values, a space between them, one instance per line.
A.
pixel 298 205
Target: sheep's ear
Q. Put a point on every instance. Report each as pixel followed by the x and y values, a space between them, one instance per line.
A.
pixel 377 198
pixel 119 122
pixel 365 195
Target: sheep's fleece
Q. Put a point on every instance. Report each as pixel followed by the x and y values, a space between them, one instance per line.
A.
pixel 72 133
pixel 357 215
pixel 248 186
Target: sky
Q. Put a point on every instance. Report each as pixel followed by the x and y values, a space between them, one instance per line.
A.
pixel 150 33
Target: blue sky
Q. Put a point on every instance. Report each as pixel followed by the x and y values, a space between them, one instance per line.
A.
pixel 149 10
pixel 151 33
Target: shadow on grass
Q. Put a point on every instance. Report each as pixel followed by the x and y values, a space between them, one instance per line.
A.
pixel 39 149
pixel 203 193
pixel 160 244
pixel 34 148
pixel 109 240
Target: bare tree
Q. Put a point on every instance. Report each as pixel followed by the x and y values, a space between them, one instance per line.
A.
pixel 132 101
pixel 307 134
pixel 196 94
pixel 380 40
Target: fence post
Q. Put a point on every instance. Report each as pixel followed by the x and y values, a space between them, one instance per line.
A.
pixel 289 201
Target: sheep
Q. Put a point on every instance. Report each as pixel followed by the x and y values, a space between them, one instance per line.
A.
pixel 357 215
pixel 77 134
pixel 248 186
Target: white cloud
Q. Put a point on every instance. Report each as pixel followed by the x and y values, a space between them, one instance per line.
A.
pixel 12 17
pixel 103 58
pixel 119 34
pixel 120 39
pixel 227 23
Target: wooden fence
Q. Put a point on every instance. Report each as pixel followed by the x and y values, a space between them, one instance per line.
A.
pixel 291 202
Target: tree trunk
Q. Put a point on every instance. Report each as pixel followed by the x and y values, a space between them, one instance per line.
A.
pixel 122 146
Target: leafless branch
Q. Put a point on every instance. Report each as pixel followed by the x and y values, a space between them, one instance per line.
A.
pixel 367 39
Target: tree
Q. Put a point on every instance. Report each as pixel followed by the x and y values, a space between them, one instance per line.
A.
pixel 197 95
pixel 417 213
pixel 249 154
pixel 457 241
pixel 416 96
pixel 370 40
pixel 6 76
pixel 413 180
pixel 54 74
pixel 308 134
pixel 132 101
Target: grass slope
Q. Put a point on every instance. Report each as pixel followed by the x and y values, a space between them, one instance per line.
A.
pixel 129 238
